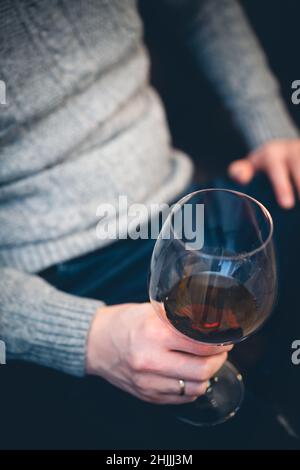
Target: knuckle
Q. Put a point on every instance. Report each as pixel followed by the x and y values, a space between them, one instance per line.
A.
pixel 269 156
pixel 142 362
pixel 156 331
pixel 149 328
pixel 271 147
pixel 152 331
pixel 136 362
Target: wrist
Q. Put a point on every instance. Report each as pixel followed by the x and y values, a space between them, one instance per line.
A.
pixel 95 338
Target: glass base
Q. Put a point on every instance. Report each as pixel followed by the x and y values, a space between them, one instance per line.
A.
pixel 221 401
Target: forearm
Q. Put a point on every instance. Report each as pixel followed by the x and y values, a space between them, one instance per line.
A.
pixel 42 324
pixel 224 46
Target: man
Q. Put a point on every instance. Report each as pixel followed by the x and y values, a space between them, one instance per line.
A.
pixel 82 127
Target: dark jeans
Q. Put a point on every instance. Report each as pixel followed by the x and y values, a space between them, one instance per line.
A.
pixel 47 409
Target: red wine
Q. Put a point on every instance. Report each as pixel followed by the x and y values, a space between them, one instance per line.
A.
pixel 212 308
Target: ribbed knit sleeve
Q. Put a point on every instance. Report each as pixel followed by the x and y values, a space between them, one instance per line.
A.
pixel 42 324
pixel 222 41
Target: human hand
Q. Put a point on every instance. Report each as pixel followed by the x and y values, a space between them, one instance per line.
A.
pixel 280 160
pixel 132 348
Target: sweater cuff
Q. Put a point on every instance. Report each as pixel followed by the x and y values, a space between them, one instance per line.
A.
pixel 55 332
pixel 265 121
pixel 61 342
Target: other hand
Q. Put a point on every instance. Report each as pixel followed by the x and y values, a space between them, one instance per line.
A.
pixel 280 160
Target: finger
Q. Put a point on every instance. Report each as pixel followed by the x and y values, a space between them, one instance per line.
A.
pixel 294 166
pixel 192 389
pixel 278 173
pixel 183 344
pixel 241 171
pixel 184 366
pixel 170 399
pixel 155 383
pixel 176 341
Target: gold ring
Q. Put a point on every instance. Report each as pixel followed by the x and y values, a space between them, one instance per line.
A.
pixel 182 387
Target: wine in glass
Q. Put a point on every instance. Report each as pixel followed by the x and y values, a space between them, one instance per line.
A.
pixel 220 292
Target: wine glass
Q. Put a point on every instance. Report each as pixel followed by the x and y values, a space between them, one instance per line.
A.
pixel 213 279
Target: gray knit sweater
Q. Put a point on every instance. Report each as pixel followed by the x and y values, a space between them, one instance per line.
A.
pixel 82 126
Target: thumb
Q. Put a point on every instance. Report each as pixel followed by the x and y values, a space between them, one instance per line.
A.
pixel 241 171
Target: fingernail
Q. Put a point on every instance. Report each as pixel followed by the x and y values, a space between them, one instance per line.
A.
pixel 236 170
pixel 287 202
pixel 240 174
